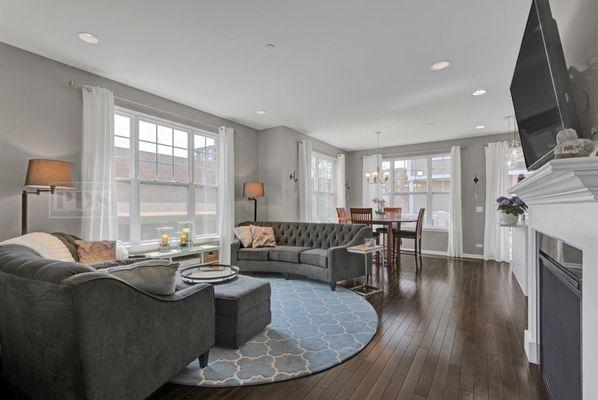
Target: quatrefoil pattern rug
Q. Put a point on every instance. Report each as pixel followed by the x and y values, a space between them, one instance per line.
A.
pixel 312 329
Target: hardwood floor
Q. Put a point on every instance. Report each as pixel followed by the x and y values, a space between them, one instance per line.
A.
pixel 454 331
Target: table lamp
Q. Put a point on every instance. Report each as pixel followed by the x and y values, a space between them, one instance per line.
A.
pixel 253 190
pixel 45 176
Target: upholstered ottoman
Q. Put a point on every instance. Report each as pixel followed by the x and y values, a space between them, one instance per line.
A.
pixel 242 310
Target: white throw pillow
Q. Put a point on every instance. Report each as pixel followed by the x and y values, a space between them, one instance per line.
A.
pixel 243 233
pixel 152 276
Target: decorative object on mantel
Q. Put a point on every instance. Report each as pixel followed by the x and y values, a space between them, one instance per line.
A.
pixel 374 177
pixel 520 177
pixel 510 208
pixel 253 190
pixel 380 202
pixel 45 176
pixel 569 146
pixel 476 188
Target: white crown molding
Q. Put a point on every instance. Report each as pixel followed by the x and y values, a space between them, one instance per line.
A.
pixel 573 180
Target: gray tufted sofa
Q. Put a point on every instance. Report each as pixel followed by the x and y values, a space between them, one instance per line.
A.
pixel 68 331
pixel 318 251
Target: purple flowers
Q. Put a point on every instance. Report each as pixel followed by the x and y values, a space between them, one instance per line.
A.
pixel 513 205
pixel 379 201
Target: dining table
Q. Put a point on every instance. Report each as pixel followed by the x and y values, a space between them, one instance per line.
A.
pixel 390 221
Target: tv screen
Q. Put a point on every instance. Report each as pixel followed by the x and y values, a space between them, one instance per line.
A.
pixel 540 88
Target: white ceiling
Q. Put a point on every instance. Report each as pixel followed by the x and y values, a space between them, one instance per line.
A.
pixel 341 69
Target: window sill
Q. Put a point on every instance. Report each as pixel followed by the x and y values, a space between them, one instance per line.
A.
pixel 150 246
pixel 435 230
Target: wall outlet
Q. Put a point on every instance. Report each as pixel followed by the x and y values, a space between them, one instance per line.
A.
pixel 479 245
pixel 479 209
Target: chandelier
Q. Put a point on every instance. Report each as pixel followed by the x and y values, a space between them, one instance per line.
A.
pixel 374 177
pixel 515 151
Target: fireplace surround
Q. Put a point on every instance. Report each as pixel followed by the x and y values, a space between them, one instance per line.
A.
pixel 563 203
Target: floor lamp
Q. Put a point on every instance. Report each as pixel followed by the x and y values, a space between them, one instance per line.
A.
pixel 253 190
pixel 44 176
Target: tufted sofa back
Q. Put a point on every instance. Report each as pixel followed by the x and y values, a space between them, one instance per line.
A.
pixel 314 235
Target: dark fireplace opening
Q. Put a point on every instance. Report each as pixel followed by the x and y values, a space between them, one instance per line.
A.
pixel 560 291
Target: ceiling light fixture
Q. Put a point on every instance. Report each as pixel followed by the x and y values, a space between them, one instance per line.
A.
pixel 260 112
pixel 480 127
pixel 440 65
pixel 479 92
pixel 88 38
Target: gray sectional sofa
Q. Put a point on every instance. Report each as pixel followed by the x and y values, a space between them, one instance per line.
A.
pixel 315 250
pixel 70 332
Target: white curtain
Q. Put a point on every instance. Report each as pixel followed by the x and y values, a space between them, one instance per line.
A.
pixel 455 232
pixel 226 190
pixel 98 176
pixel 370 191
pixel 305 208
pixel 496 238
pixel 341 178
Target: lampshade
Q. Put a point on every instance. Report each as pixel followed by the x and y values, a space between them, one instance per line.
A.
pixel 44 174
pixel 253 190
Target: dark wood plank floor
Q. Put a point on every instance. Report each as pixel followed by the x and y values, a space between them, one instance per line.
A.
pixel 453 331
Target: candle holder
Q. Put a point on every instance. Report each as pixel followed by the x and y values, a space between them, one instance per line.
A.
pixel 164 233
pixel 187 231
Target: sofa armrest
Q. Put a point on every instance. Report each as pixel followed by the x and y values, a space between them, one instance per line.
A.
pixel 234 251
pixel 345 265
pixel 130 343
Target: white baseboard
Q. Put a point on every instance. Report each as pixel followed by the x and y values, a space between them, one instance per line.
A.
pixel 531 348
pixel 443 253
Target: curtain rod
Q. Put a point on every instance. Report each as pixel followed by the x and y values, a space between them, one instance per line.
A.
pixel 412 153
pixel 74 85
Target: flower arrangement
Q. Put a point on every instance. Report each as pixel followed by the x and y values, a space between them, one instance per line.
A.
pixel 513 205
pixel 380 202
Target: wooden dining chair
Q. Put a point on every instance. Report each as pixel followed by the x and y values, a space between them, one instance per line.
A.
pixel 366 216
pixel 341 213
pixel 383 231
pixel 415 235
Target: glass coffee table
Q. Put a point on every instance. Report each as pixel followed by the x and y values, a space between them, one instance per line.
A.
pixel 212 273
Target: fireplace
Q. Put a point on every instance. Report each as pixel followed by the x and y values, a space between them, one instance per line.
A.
pixel 559 289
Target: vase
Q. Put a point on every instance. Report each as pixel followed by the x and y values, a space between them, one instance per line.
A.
pixel 508 219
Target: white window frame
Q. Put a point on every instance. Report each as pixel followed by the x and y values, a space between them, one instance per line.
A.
pixel 316 192
pixel 135 182
pixel 428 193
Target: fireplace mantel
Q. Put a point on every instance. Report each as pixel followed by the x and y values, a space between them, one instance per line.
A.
pixel 563 203
pixel 570 180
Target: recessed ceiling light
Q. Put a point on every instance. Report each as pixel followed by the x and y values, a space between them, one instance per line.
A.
pixel 270 45
pixel 88 38
pixel 440 65
pixel 479 92
pixel 260 112
pixel 480 127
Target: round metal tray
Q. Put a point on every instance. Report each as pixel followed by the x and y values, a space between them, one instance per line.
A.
pixel 213 273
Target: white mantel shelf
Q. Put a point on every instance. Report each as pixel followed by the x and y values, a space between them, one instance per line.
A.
pixel 571 180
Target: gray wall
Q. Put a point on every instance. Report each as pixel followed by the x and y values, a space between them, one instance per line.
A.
pixel 278 153
pixel 41 118
pixel 472 162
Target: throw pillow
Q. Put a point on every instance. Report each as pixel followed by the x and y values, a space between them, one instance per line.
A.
pixel 263 236
pixel 156 277
pixel 95 252
pixel 243 233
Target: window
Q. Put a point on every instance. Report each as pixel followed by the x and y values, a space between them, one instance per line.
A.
pixel 323 187
pixel 420 182
pixel 165 174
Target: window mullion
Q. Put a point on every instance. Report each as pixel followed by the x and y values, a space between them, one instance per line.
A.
pixel 134 206
pixel 191 177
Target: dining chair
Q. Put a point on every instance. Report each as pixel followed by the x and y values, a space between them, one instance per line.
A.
pixel 341 213
pixel 366 216
pixel 416 236
pixel 383 231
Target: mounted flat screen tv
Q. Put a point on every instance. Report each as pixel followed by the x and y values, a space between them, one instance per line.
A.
pixel 541 88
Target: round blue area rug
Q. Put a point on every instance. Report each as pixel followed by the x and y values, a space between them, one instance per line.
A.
pixel 312 329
